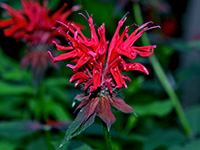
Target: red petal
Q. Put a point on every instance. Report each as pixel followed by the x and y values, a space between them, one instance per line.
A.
pixel 117 76
pixel 88 84
pixel 84 59
pixel 109 86
pixel 6 23
pixel 79 81
pixel 96 77
pixel 133 37
pixel 65 56
pixel 93 32
pixel 56 15
pixel 78 75
pixel 138 67
pixel 144 50
pixel 59 47
pixel 126 77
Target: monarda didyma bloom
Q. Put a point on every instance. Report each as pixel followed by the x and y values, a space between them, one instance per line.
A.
pixel 98 67
pixel 33 25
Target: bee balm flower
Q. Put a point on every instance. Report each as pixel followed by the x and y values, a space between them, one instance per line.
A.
pixel 33 25
pixel 99 76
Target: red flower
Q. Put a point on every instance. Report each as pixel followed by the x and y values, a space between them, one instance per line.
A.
pixel 101 76
pixel 33 24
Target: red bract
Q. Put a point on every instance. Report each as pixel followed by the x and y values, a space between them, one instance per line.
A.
pixel 99 76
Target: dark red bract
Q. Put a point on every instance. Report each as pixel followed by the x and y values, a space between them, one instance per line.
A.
pixel 100 76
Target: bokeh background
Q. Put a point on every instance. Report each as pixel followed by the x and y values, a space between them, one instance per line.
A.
pixel 157 126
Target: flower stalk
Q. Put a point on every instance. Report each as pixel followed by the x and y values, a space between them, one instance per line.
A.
pixel 161 75
pixel 107 136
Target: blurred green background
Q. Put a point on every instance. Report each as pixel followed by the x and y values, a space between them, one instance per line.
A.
pixel 157 127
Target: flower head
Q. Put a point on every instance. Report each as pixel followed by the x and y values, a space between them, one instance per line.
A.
pixel 99 76
pixel 33 25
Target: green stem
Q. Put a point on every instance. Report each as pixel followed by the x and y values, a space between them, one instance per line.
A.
pixel 107 136
pixel 161 75
pixel 41 113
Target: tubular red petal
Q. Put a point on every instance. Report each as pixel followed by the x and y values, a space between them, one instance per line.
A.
pixel 6 23
pixel 126 77
pixel 79 81
pixel 65 56
pixel 11 31
pixel 78 75
pixel 109 86
pixel 89 82
pixel 138 67
pixel 58 12
pixel 114 40
pixel 96 77
pixel 93 32
pixel 117 76
pixel 59 47
pixel 144 51
pixel 83 60
pixel 134 36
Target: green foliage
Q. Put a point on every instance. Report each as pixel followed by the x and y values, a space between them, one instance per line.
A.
pixel 53 4
pixel 156 108
pixel 7 145
pixel 73 145
pixel 18 129
pixel 193 115
pixel 194 145
pixel 36 116
pixel 169 137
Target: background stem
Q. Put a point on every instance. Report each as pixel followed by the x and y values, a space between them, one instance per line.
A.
pixel 161 75
pixel 107 136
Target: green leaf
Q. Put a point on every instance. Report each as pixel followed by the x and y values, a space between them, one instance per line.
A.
pixel 18 129
pixel 164 138
pixel 16 75
pixel 80 123
pixel 61 94
pixel 193 115
pixel 53 4
pixel 6 62
pixel 185 46
pixel 73 145
pixel 8 107
pixel 134 86
pixel 57 82
pixel 188 73
pixel 38 144
pixel 194 145
pixel 57 110
pixel 157 108
pixel 14 89
pixel 4 145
